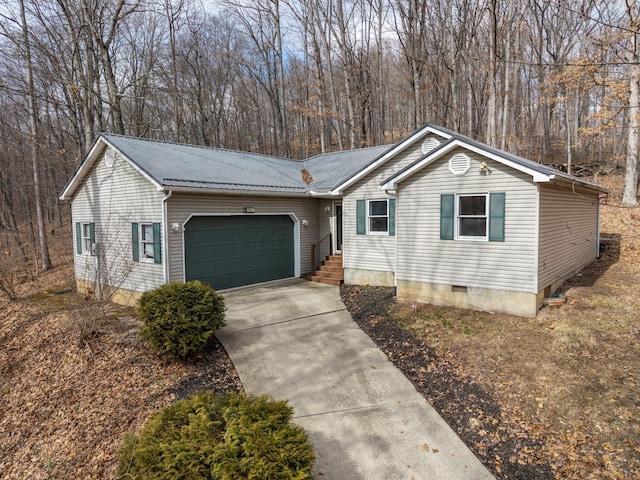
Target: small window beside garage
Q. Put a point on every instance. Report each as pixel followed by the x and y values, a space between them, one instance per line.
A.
pixel 146 242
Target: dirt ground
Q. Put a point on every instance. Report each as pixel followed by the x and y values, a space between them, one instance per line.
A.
pixel 555 396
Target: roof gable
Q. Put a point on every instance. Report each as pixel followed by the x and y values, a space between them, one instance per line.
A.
pixel 538 172
pixel 392 152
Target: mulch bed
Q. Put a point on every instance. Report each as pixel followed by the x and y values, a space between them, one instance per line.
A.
pixel 209 371
pixel 497 437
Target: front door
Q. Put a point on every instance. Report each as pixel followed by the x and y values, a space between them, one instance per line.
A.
pixel 337 215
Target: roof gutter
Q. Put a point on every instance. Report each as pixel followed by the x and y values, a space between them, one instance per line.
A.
pixel 222 191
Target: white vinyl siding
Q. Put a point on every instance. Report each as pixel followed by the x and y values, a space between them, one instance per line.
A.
pixel 568 233
pixel 180 206
pixel 113 198
pixel 373 252
pixel 424 257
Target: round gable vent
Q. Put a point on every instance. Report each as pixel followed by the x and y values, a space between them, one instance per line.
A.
pixel 459 164
pixel 429 144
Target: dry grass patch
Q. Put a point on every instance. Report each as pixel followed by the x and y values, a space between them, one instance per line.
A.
pixel 572 373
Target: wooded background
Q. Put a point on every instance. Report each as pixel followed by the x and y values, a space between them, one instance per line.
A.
pixel 556 81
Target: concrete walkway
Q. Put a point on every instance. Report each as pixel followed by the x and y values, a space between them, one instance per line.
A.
pixel 295 341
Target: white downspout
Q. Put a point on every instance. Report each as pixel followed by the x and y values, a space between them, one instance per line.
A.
pixel 395 273
pixel 165 237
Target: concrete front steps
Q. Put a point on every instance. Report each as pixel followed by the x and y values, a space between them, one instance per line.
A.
pixel 330 272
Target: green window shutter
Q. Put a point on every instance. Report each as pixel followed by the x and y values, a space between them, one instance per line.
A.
pixel 447 216
pixel 496 216
pixel 361 217
pixel 134 242
pixel 392 217
pixel 92 236
pixel 79 238
pixel 157 250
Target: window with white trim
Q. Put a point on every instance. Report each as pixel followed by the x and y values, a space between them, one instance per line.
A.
pixel 378 216
pixel 471 216
pixel 146 243
pixel 87 238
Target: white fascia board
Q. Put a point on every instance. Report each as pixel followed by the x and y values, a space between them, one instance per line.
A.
pixel 394 151
pixel 392 184
pixel 134 165
pixel 223 191
pixel 83 169
pixel 538 177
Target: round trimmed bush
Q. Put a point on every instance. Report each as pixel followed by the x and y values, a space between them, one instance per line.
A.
pixel 180 318
pixel 230 437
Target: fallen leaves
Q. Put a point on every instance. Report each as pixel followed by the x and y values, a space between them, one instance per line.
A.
pixel 66 404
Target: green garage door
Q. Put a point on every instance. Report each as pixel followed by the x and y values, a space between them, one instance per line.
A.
pixel 240 250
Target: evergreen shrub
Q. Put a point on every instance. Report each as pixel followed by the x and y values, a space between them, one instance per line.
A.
pixel 180 318
pixel 230 437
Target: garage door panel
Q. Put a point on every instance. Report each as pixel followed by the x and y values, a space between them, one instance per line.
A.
pixel 232 251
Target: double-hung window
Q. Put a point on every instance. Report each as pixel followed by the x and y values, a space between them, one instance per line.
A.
pixel 85 238
pixel 471 217
pixel 378 216
pixel 146 242
pixel 477 216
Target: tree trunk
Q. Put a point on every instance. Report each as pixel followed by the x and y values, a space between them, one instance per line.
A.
pixel 630 196
pixel 33 132
pixel 493 53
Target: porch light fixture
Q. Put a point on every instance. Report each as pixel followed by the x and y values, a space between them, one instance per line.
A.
pixel 305 223
pixel 175 227
pixel 327 209
pixel 248 210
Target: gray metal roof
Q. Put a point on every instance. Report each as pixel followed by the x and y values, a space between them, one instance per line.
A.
pixel 332 169
pixel 180 165
pixel 174 165
pixel 188 166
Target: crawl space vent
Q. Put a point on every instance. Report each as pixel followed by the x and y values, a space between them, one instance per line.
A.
pixel 459 164
pixel 430 144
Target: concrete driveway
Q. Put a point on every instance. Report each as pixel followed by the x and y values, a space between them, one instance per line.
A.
pixel 295 341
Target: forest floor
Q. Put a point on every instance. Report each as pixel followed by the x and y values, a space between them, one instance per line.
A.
pixel 555 396
pixel 74 378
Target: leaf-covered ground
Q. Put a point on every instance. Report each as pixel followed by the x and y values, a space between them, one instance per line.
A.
pixel 557 396
pixel 74 378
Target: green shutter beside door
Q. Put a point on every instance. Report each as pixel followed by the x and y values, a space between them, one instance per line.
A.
pixel 361 217
pixel 135 246
pixel 496 217
pixel 447 216
pixel 392 217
